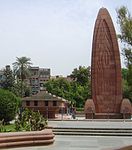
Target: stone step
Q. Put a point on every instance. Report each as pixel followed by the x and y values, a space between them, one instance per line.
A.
pixel 26 143
pixel 92 131
pixel 92 134
pixel 81 128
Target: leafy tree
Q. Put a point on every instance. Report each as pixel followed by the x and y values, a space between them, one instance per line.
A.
pixel 60 87
pixel 82 79
pixel 81 75
pixel 124 19
pixel 77 90
pixel 21 69
pixel 25 91
pixel 124 73
pixel 8 105
pixel 127 92
pixel 8 81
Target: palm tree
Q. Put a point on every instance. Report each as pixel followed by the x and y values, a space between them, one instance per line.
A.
pixel 21 69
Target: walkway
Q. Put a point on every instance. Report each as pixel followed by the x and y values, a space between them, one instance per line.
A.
pixel 84 143
pixel 64 142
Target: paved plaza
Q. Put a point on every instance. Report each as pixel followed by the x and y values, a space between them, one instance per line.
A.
pixel 65 142
pixel 84 143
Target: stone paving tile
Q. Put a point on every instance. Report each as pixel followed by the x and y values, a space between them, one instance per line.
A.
pixel 80 148
pixel 128 141
pixel 84 143
pixel 110 141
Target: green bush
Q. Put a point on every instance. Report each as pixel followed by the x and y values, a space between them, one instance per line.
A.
pixel 30 121
pixel 8 105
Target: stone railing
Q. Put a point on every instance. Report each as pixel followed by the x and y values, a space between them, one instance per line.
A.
pixel 31 138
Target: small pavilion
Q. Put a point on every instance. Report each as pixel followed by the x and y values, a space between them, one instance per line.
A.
pixel 46 103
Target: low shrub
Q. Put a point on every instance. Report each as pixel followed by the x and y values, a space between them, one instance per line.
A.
pixel 30 121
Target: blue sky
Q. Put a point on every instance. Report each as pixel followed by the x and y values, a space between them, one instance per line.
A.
pixel 55 34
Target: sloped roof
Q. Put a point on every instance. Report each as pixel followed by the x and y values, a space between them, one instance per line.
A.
pixel 44 95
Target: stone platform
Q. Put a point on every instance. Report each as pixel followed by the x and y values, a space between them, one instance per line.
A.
pixel 66 142
pixel 22 139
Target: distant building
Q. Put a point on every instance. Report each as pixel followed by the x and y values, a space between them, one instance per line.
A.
pixel 38 76
pixel 68 78
pixel 46 103
pixel 56 77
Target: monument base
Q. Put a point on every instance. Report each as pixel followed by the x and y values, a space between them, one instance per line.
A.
pixel 107 116
pixel 124 113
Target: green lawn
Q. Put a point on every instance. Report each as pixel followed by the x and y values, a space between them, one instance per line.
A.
pixel 10 128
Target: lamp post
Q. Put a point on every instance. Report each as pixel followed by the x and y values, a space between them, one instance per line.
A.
pixel 47 112
pixel 62 110
pixel 61 113
pixel 92 114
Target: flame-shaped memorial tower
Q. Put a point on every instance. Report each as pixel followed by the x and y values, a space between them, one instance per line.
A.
pixel 107 101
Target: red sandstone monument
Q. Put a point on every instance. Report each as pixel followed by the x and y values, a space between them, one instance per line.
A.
pixel 107 100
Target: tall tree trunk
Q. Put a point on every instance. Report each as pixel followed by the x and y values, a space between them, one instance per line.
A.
pixel 21 88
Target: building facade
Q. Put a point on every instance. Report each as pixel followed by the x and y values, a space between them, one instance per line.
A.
pixel 38 76
pixel 46 103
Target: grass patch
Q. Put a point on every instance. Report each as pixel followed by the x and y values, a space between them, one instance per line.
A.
pixel 80 109
pixel 10 128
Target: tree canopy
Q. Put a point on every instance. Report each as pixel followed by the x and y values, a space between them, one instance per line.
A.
pixel 124 20
pixel 21 67
pixel 9 80
pixel 8 105
pixel 76 90
pixel 21 70
pixel 81 75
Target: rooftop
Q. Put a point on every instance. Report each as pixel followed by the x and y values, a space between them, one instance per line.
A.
pixel 44 95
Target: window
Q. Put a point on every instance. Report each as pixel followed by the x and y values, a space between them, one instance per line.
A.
pixel 54 103
pixel 41 85
pixel 35 103
pixel 46 103
pixel 27 103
